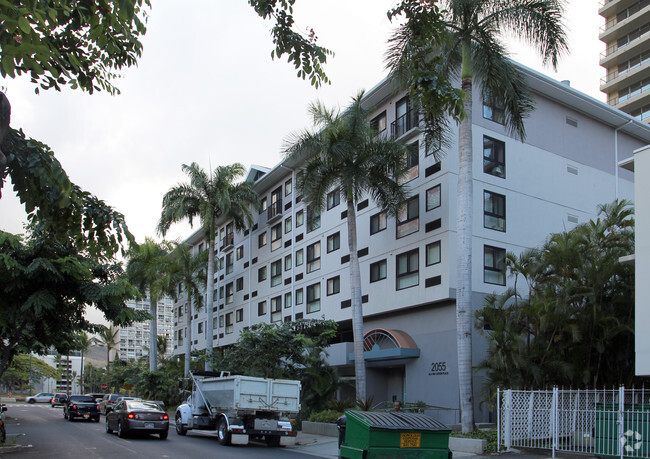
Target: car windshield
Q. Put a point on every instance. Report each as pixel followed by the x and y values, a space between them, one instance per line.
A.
pixel 140 405
pixel 81 399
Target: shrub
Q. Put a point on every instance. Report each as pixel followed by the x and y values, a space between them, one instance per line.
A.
pixel 325 416
pixel 489 435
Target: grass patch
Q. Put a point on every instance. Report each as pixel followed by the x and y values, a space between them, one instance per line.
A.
pixel 489 435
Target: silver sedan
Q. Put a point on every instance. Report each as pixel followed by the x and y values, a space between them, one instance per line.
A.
pixel 137 416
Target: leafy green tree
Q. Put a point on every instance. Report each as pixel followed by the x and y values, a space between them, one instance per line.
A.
pixel 47 284
pixel 290 350
pixel 210 198
pixel 345 154
pixel 149 268
pixel 189 271
pixel 465 39
pixel 94 378
pixel 574 325
pixel 17 374
pixel 108 337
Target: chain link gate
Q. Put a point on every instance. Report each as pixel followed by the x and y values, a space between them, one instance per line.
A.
pixel 606 423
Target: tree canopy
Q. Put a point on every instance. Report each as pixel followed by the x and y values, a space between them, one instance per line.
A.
pixel 17 375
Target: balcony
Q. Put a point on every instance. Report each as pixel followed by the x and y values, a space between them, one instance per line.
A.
pixel 274 212
pixel 228 241
pixel 404 123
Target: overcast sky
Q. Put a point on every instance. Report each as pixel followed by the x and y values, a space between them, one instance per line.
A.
pixel 206 90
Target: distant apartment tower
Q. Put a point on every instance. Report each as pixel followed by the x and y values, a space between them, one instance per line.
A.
pixel 134 340
pixel 626 34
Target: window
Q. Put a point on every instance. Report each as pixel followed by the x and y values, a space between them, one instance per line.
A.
pixel 287 300
pixel 333 199
pixel 276 237
pixel 221 321
pixel 313 298
pixel 221 292
pixel 404 118
pixel 433 197
pixel 378 271
pixel 200 327
pixel 494 211
pixel 412 161
pixel 407 269
pixel 300 257
pixel 494 265
pixel 333 242
pixel 378 123
pixel 229 293
pixel 261 308
pixel 433 253
pixel 300 218
pixel 263 205
pixel 313 257
pixel 408 220
pixel 229 327
pixel 261 274
pixel 240 284
pixel 276 203
pixel 287 225
pixel 378 222
pixel 287 262
pixel 493 110
pixel 276 273
pixel 313 219
pixel 276 309
pixel 240 252
pixel 333 285
pixel 288 187
pixel 239 315
pixel 494 157
pixel 230 261
pixel 261 240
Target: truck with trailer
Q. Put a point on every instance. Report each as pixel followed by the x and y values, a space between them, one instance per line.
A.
pixel 240 408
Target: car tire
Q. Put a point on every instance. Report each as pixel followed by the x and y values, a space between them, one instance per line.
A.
pixel 120 431
pixel 180 430
pixel 108 429
pixel 65 414
pixel 163 435
pixel 272 441
pixel 69 417
pixel 222 432
pixel 96 419
pixel 31 401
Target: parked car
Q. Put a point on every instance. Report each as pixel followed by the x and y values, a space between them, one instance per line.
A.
pixel 59 400
pixel 119 399
pixel 81 406
pixel 141 416
pixel 43 397
pixel 107 403
pixel 98 397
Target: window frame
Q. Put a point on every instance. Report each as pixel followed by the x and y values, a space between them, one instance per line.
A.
pixel 333 199
pixel 262 239
pixel 314 253
pixel 276 237
pixel 276 272
pixel 411 224
pixel 495 200
pixel 313 299
pixel 428 205
pixel 428 261
pixel 494 163
pixel 411 271
pixel 262 274
pixel 377 267
pixel 333 285
pixel 334 242
pixel 493 268
pixel 379 217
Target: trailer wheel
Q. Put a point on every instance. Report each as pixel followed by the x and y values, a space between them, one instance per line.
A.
pixel 272 441
pixel 222 432
pixel 180 430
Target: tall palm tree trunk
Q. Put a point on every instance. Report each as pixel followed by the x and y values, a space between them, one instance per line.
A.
pixel 188 339
pixel 153 334
pixel 355 297
pixel 82 371
pixel 464 212
pixel 209 329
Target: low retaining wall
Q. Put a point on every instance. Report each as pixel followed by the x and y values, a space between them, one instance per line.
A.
pixel 320 428
pixel 467 445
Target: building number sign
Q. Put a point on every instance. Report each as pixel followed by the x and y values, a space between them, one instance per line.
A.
pixel 438 369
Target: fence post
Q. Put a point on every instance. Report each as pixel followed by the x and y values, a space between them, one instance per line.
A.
pixel 554 433
pixel 507 422
pixel 621 420
pixel 498 419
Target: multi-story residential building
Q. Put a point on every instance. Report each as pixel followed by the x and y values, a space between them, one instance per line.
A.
pixel 69 367
pixel 134 339
pixel 294 262
pixel 626 34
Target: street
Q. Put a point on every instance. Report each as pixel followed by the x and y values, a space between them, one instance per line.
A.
pixel 50 436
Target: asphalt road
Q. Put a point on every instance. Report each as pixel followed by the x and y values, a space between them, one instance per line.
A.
pixel 48 435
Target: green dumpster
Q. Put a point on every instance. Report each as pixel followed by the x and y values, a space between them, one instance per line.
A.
pixel 635 435
pixel 393 435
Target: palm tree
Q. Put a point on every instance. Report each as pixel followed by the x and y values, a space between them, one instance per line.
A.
pixel 189 270
pixel 82 344
pixel 149 269
pixel 209 198
pixel 108 337
pixel 464 41
pixel 346 154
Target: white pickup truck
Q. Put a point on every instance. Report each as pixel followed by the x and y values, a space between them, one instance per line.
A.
pixel 240 407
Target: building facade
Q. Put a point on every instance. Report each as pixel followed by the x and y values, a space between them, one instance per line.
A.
pixel 626 59
pixel 134 339
pixel 294 262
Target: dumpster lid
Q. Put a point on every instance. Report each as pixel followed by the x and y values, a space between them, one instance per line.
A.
pixel 394 420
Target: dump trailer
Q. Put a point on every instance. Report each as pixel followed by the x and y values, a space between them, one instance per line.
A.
pixel 240 408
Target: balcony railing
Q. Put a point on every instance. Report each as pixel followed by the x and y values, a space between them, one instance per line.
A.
pixel 404 123
pixel 274 210
pixel 228 241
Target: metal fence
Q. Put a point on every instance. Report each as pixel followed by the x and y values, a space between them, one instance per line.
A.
pixel 605 423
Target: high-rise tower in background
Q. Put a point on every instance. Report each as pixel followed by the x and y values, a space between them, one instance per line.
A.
pixel 626 58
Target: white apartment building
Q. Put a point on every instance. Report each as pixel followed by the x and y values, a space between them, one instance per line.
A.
pixel 294 262
pixel 134 339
